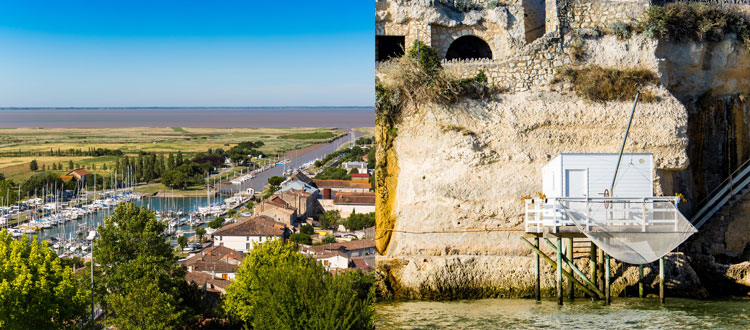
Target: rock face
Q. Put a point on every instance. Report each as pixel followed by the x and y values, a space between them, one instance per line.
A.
pixel 456 214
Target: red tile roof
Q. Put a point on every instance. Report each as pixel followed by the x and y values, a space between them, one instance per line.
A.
pixel 354 198
pixel 254 226
pixel 321 184
pixel 360 175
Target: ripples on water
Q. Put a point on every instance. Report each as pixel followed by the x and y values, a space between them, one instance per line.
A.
pixel 623 313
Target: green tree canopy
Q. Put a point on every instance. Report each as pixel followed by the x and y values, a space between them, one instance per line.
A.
pixel 357 221
pixel 333 173
pixel 277 287
pixel 133 254
pixel 36 291
pixel 216 223
pixel 33 166
pixel 300 238
pixel 307 229
pixel 182 241
pixel 328 239
pixel 200 232
pixel 329 219
pixel 275 180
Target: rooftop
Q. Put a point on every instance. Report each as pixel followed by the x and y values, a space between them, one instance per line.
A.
pixel 340 184
pixel 354 198
pixel 254 226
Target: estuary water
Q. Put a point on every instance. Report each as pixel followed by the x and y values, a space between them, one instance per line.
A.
pixel 213 117
pixel 623 313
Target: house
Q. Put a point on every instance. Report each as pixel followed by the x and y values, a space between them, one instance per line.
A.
pixel 299 176
pixel 333 260
pixel 298 185
pixel 360 166
pixel 219 261
pixel 361 177
pixel 590 175
pixel 329 188
pixel 363 248
pixel 349 202
pixel 79 174
pixel 241 235
pixel 306 203
pixel 276 208
pixel 207 282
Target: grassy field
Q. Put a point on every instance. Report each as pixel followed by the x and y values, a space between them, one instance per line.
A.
pixel 27 141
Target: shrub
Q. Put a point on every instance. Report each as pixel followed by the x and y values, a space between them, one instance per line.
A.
pixel 307 229
pixel 605 84
pixel 300 238
pixel 695 21
pixel 621 29
pixel 575 50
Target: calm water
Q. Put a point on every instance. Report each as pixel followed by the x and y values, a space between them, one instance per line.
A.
pixel 186 204
pixel 344 117
pixel 623 313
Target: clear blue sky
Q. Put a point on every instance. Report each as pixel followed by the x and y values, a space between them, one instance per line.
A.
pixel 186 53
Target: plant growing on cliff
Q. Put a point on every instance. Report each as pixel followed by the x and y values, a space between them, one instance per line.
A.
pixel 696 22
pixel 621 29
pixel 607 84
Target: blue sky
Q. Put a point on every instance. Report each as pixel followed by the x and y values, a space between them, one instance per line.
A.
pixel 186 53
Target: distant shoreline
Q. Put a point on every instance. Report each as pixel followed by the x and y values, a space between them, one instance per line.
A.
pixel 203 117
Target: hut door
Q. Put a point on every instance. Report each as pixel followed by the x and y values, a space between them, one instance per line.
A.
pixel 575 183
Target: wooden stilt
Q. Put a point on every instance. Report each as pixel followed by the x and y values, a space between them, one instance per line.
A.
pixel 570 276
pixel 606 279
pixel 661 280
pixel 537 289
pixel 592 263
pixel 600 265
pixel 559 272
pixel 569 254
pixel 640 281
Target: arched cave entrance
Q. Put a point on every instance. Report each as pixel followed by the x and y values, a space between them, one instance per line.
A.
pixel 387 47
pixel 468 47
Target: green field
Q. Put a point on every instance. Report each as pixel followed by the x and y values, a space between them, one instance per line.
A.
pixel 19 146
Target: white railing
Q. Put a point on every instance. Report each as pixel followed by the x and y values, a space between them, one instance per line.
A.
pixel 594 213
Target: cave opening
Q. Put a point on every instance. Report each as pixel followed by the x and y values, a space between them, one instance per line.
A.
pixel 468 47
pixel 387 47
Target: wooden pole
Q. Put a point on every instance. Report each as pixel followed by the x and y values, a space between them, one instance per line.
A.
pixel 586 282
pixel 569 253
pixel 537 289
pixel 640 281
pixel 592 263
pixel 564 273
pixel 600 266
pixel 606 279
pixel 559 272
pixel 661 280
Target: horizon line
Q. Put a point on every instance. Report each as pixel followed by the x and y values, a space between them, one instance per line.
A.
pixel 194 107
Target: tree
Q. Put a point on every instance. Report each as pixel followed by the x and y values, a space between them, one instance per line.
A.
pixel 300 238
pixel 357 221
pixel 333 173
pixel 71 166
pixel 133 254
pixel 175 179
pixel 275 180
pixel 307 229
pixel 33 166
pixel 200 232
pixel 216 223
pixel 329 219
pixel 179 160
pixel 36 291
pixel 231 212
pixel 278 287
pixel 44 167
pixel 182 241
pixel 328 239
pixel 2 177
pixel 354 171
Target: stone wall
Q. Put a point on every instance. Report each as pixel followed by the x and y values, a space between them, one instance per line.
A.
pixel 600 14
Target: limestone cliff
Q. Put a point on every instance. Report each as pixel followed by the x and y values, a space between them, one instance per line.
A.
pixel 454 211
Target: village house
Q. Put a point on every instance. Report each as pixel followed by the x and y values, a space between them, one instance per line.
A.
pixel 242 235
pixel 306 203
pixel 276 208
pixel 360 166
pixel 349 202
pixel 343 255
pixel 329 188
pixel 208 282
pixel 361 177
pixel 79 174
pixel 219 261
pixel 298 185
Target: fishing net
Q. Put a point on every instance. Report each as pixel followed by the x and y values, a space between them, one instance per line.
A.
pixel 632 231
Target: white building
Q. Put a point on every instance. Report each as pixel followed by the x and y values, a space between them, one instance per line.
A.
pixel 360 166
pixel 242 235
pixel 590 175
